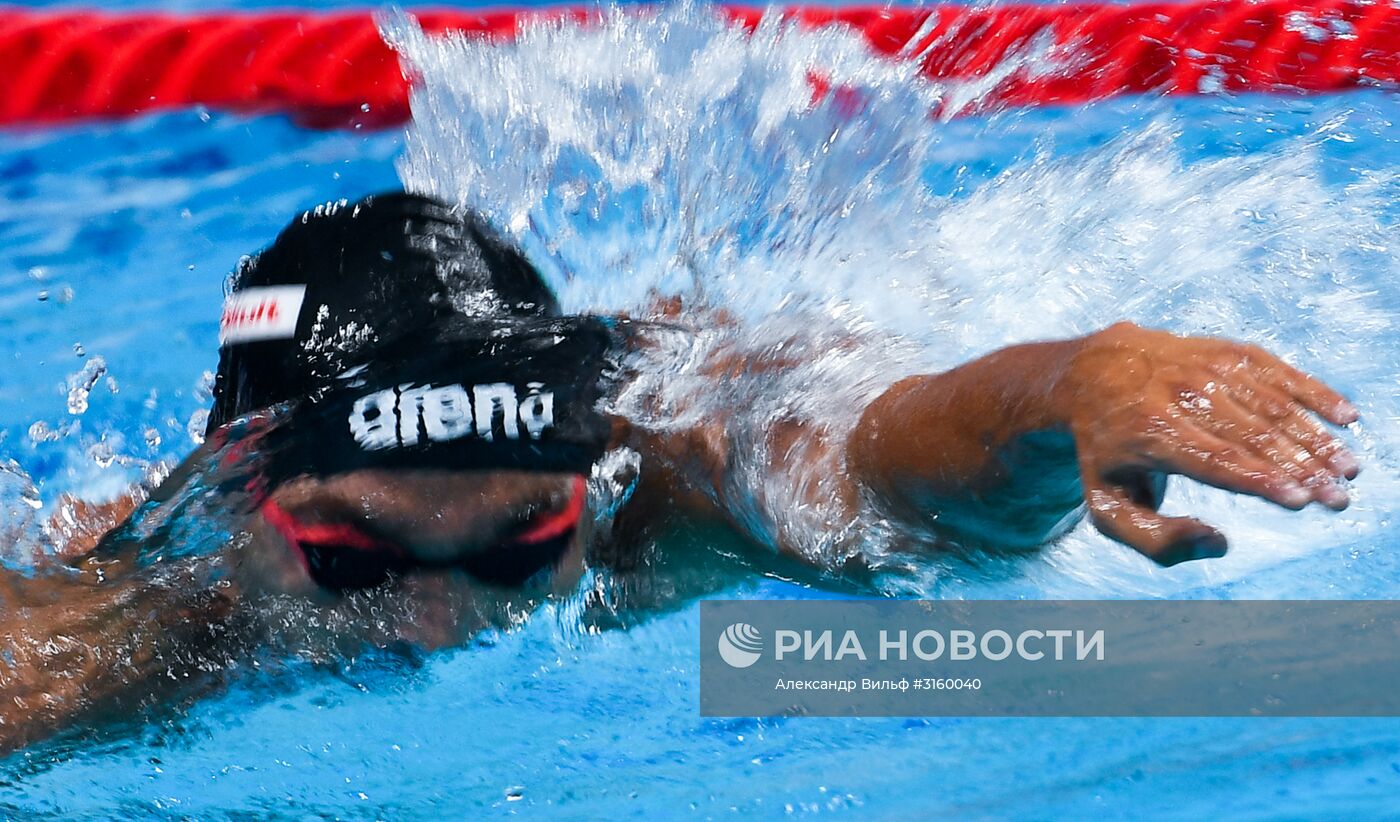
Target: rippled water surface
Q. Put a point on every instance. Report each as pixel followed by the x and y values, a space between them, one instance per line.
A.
pixel 676 156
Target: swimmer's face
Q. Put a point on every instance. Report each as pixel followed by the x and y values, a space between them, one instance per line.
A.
pixel 434 516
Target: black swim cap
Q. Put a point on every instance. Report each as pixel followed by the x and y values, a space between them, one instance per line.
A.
pixel 345 280
pixel 515 393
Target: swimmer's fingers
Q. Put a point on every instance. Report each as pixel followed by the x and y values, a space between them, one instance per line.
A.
pixel 1275 441
pixel 1292 419
pixel 1196 452
pixel 1313 393
pixel 1302 427
pixel 1118 514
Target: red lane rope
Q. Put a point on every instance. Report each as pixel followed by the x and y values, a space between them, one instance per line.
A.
pixel 333 70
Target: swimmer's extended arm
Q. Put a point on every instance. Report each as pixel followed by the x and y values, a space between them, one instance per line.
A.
pixel 102 640
pixel 972 449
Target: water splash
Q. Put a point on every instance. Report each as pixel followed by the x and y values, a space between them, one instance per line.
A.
pixel 671 154
pixel 80 385
pixel 21 533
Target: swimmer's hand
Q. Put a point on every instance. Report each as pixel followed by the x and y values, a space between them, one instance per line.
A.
pixel 1142 404
pixel 951 449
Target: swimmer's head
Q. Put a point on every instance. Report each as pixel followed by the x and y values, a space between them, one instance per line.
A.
pixel 346 278
pixel 438 408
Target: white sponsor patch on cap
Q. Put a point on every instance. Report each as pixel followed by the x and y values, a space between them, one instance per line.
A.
pixel 268 313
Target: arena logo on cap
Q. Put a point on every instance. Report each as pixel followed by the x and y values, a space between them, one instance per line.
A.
pixel 268 313
pixel 396 416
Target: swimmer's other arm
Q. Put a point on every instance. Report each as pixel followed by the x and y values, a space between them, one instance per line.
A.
pixel 1012 447
pixel 102 640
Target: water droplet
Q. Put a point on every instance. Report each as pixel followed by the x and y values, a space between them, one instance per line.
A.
pixel 152 438
pixel 199 420
pixel 364 107
pixel 515 793
pixel 102 454
pixel 80 384
pixel 43 296
pixel 79 350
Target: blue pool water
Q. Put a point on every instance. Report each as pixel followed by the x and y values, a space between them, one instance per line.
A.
pixel 1271 219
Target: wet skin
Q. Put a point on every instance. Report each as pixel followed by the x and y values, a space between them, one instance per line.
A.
pixel 1139 405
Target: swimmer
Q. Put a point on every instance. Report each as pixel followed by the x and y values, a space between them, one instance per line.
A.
pixel 410 416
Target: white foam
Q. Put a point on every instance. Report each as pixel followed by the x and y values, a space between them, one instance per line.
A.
pixel 671 153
